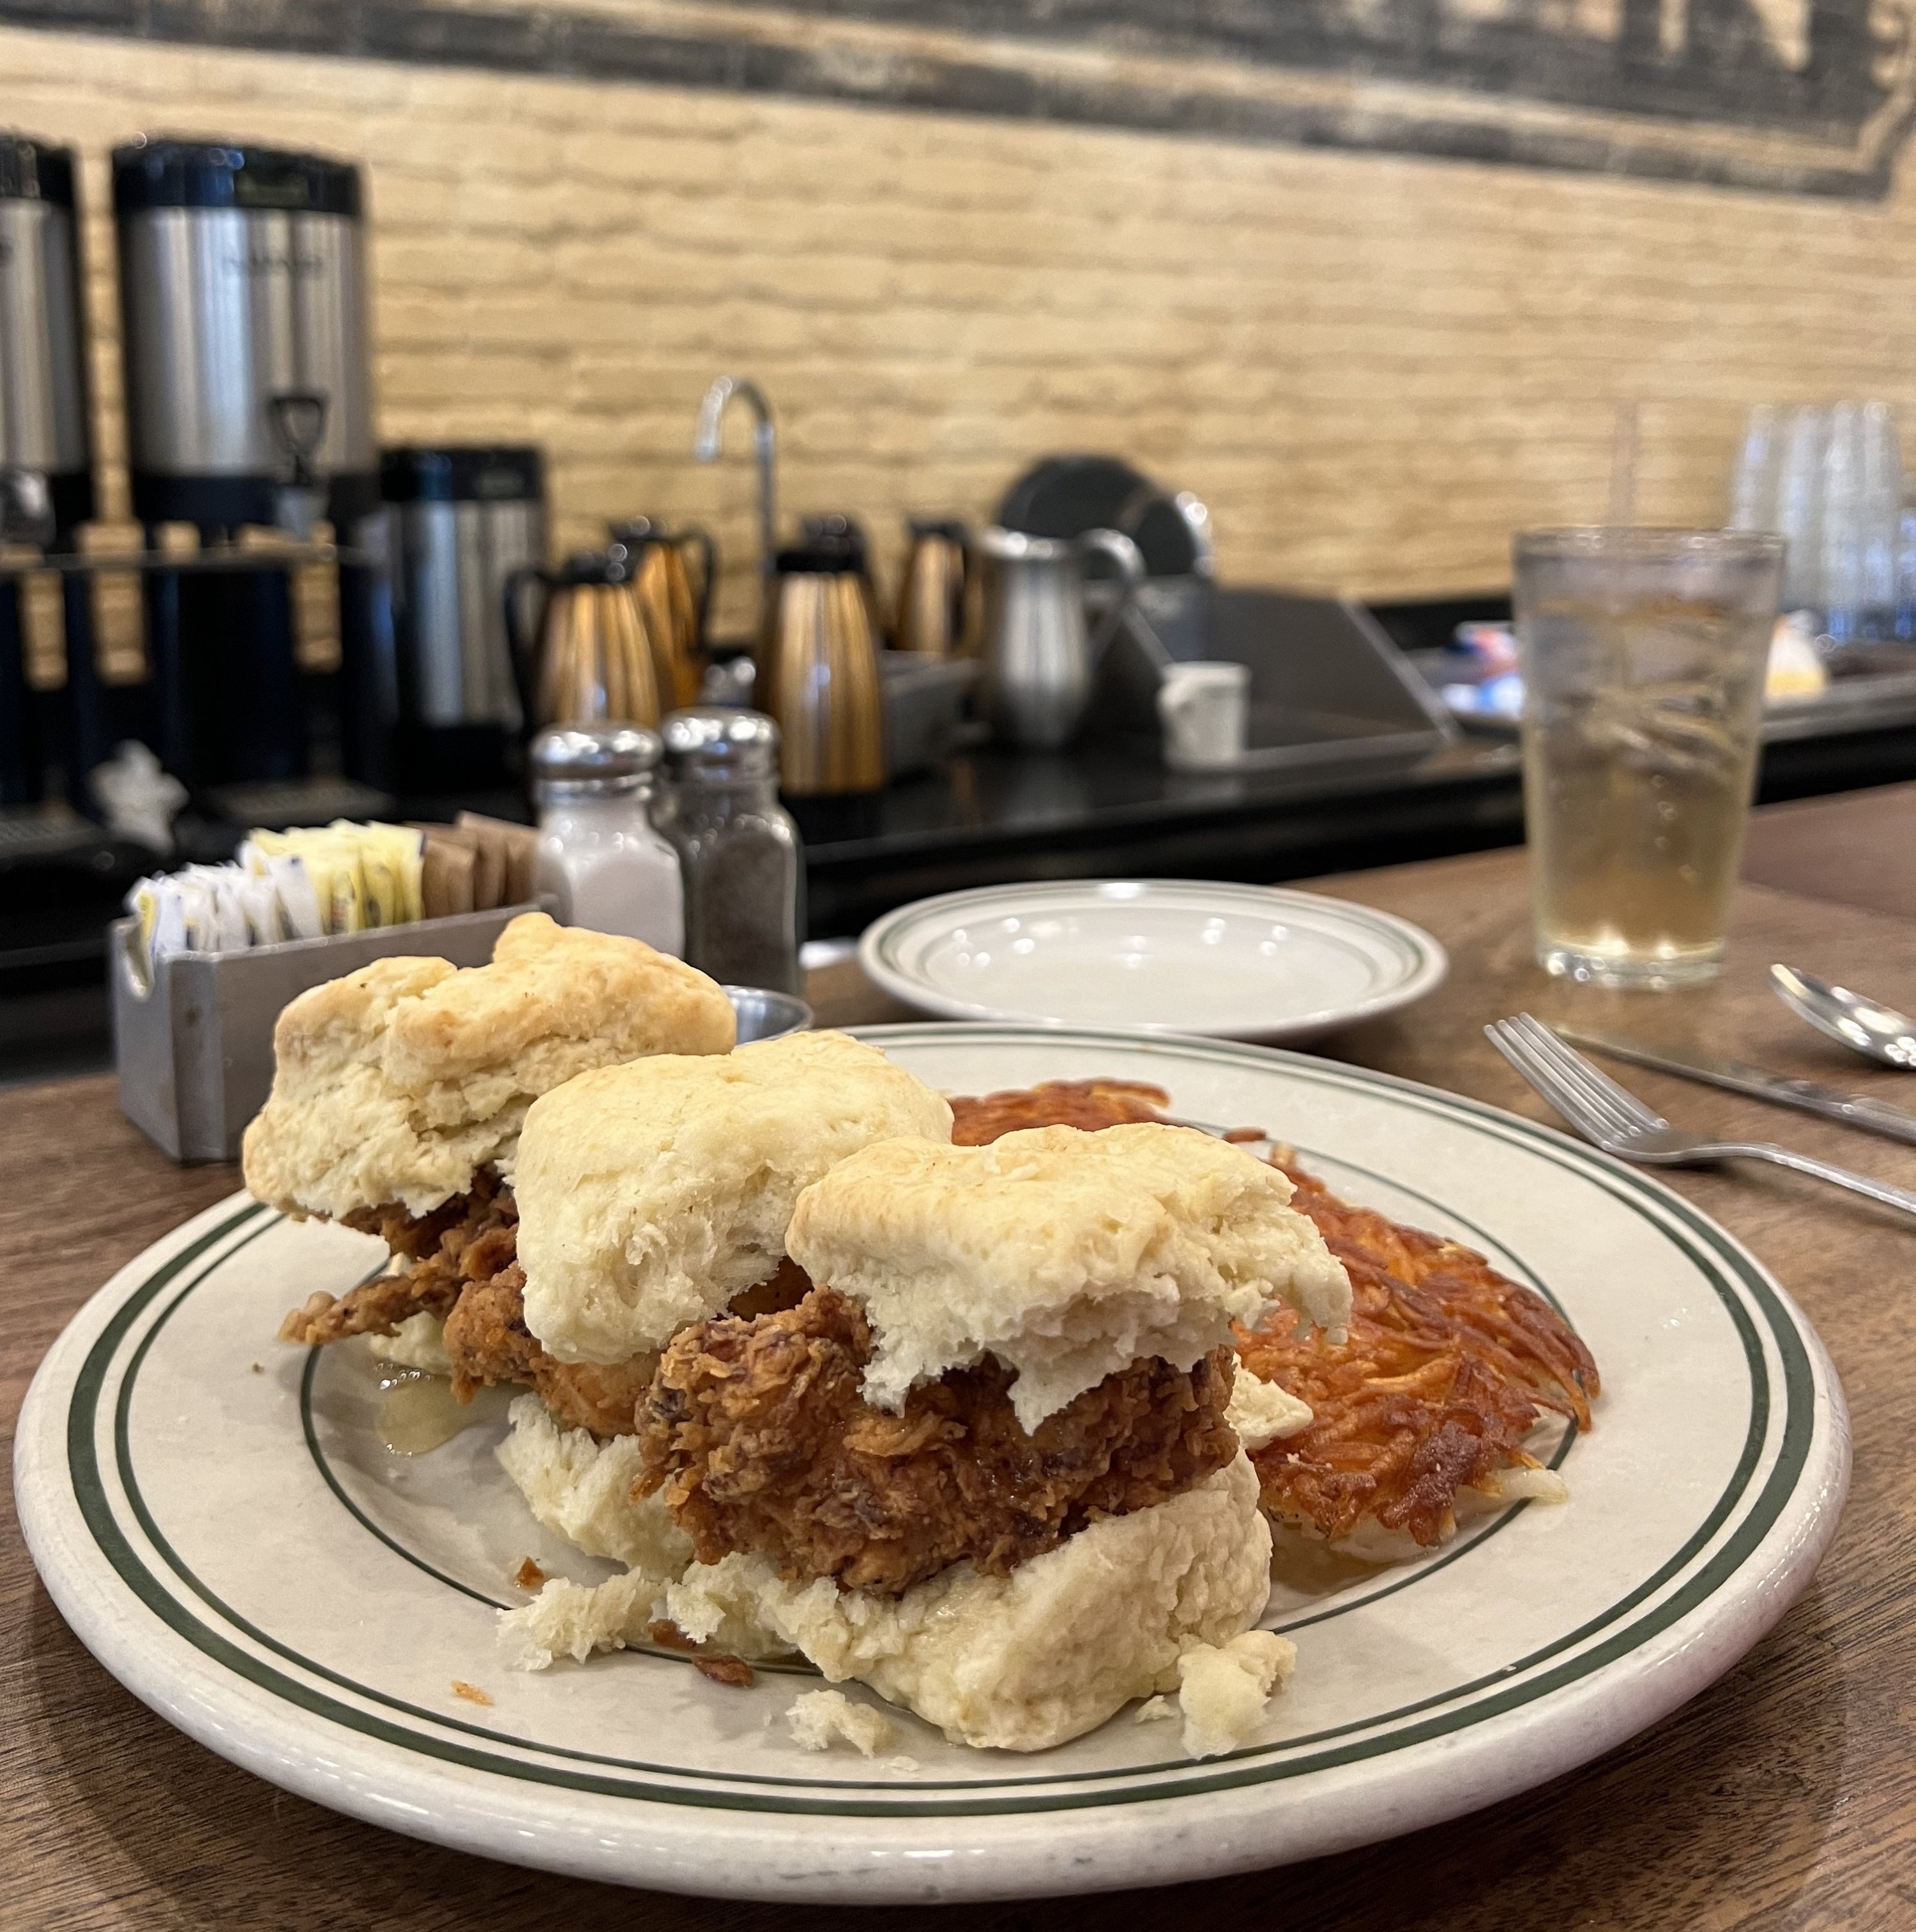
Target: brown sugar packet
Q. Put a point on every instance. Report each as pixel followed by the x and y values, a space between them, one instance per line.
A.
pixel 447 864
pixel 488 864
pixel 448 867
pixel 519 846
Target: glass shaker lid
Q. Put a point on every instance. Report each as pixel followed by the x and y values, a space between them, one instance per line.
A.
pixel 718 738
pixel 593 757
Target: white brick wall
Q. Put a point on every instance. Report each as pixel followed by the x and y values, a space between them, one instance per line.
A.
pixel 1372 366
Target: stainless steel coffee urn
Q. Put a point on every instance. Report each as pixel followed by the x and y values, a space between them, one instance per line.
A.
pixel 461 522
pixel 243 288
pixel 249 404
pixel 45 463
pixel 43 358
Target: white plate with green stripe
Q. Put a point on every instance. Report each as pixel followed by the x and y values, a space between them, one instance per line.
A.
pixel 216 1516
pixel 1200 958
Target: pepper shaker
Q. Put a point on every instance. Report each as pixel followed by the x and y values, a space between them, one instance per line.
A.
pixel 599 854
pixel 739 851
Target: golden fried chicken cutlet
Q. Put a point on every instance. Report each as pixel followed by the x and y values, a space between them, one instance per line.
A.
pixel 462 1266
pixel 1446 1368
pixel 758 1436
pixel 469 1238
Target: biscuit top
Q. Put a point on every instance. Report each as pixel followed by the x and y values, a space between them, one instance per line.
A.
pixel 399 1081
pixel 1067 1255
pixel 650 1195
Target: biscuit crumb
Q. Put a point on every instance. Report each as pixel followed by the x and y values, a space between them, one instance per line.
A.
pixel 722 1669
pixel 816 1717
pixel 1154 1710
pixel 575 1619
pixel 529 1576
pixel 1222 1689
pixel 471 1693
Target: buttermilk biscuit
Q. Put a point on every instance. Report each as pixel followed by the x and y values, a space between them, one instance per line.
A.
pixel 1066 1255
pixel 581 1488
pixel 1024 1661
pixel 399 1081
pixel 649 1195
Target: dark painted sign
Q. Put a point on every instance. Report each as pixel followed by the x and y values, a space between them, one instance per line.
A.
pixel 1807 96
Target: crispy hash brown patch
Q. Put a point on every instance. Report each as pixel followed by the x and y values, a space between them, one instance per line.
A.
pixel 1446 1367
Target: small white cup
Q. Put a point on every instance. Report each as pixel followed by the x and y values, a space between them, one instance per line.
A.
pixel 1205 709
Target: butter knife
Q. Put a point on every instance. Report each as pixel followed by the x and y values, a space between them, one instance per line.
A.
pixel 1852 1110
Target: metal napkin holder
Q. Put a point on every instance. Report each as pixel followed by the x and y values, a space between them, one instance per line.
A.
pixel 193 1038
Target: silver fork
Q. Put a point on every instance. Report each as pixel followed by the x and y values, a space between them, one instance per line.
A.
pixel 1620 1124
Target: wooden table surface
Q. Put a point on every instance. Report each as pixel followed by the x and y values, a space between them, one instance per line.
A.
pixel 1784 1797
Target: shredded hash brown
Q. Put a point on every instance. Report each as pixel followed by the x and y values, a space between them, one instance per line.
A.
pixel 1446 1367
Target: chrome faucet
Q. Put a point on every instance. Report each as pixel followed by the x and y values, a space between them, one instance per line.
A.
pixel 705 446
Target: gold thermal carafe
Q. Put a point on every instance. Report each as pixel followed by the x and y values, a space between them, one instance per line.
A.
pixel 936 592
pixel 592 658
pixel 818 675
pixel 674 593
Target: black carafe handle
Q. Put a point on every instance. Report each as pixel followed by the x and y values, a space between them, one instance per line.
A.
pixel 707 546
pixel 519 648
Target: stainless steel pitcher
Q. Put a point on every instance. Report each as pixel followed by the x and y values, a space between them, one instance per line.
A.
pixel 1040 652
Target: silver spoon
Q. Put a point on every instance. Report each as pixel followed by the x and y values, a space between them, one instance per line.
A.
pixel 1876 1032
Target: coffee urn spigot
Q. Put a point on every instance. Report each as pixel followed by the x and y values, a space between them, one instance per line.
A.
pixel 298 418
pixel 26 507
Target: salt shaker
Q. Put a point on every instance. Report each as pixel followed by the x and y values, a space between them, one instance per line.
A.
pixel 738 849
pixel 599 854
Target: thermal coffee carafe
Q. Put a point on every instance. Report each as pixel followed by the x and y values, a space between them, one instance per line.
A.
pixel 591 660
pixel 249 405
pixel 935 590
pixel 843 536
pixel 818 674
pixel 676 600
pixel 460 523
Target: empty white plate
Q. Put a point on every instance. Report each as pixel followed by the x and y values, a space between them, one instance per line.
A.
pixel 1236 962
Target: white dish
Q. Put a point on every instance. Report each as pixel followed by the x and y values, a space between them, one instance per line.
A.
pixel 235 1546
pixel 1226 961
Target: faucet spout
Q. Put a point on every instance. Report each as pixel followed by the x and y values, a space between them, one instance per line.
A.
pixel 765 437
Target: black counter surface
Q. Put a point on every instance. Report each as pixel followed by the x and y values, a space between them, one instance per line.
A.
pixel 1105 809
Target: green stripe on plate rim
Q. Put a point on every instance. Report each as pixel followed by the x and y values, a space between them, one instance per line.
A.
pixel 1708 1249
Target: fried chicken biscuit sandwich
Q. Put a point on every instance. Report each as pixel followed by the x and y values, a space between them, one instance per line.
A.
pixel 650 1195
pixel 400 1092
pixel 985 1464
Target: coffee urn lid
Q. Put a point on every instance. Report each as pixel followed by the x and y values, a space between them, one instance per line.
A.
pixel 463 473
pixel 32 170
pixel 708 738
pixel 158 171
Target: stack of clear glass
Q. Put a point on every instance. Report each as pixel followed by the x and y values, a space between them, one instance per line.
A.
pixel 1830 482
